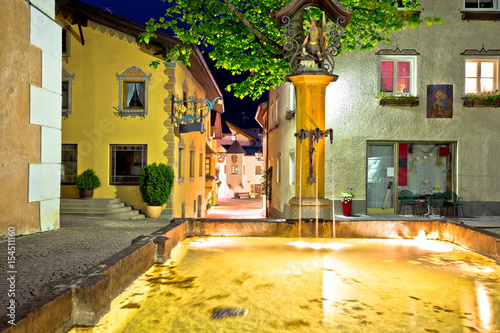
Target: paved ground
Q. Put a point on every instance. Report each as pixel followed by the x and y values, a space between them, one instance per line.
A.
pixel 237 209
pixel 82 243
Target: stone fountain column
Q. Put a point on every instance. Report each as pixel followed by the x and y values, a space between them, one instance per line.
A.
pixel 310 114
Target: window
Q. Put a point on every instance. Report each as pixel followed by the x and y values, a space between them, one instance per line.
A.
pixel 481 75
pixel 127 163
pixel 480 4
pixel 398 75
pixel 66 37
pixel 258 170
pixel 180 160
pixel 133 92
pixel 278 167
pixel 292 168
pixel 234 169
pixel 243 169
pixel 277 110
pixel 69 159
pixel 67 82
pixel 200 171
pixel 191 163
pixel 207 166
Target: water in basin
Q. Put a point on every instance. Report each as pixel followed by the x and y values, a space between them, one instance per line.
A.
pixel 222 284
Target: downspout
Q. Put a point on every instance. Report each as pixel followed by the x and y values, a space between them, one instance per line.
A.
pixel 267 147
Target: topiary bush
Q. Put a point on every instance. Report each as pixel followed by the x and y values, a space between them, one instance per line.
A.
pixel 156 183
pixel 88 180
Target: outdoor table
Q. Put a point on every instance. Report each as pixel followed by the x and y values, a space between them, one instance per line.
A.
pixel 424 197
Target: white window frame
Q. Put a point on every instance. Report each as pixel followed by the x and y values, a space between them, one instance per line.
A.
pixel 291 167
pixel 479 60
pixel 70 79
pixel 494 8
pixel 413 73
pixel 66 30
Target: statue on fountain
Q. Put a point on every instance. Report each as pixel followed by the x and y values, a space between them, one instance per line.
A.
pixel 314 42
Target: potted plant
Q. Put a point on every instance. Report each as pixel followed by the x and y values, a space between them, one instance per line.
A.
pixel 346 199
pixel 289 114
pixel 156 183
pixel 86 183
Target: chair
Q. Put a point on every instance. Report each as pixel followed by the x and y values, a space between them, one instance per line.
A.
pixel 435 200
pixel 406 198
pixel 452 199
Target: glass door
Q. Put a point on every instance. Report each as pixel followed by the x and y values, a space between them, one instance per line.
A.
pixel 380 178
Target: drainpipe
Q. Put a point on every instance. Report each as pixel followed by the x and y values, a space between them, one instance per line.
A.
pixel 267 147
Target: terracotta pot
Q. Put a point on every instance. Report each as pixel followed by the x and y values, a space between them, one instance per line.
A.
pixel 86 194
pixel 346 208
pixel 153 212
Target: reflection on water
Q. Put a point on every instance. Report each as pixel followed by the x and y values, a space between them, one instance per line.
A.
pixel 278 284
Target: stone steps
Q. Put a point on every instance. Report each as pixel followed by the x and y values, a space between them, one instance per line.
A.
pixel 99 207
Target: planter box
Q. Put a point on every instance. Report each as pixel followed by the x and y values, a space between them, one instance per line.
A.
pixel 399 101
pixel 290 116
pixel 478 103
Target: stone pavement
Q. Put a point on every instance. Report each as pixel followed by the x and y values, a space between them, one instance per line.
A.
pixel 80 244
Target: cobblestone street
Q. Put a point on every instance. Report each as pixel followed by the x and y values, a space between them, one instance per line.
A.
pixel 79 245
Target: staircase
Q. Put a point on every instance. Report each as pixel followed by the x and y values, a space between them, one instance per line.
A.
pixel 108 208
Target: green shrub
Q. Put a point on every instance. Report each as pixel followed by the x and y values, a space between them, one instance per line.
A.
pixel 88 180
pixel 156 183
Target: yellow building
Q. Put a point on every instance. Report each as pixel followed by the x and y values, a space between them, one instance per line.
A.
pixel 117 110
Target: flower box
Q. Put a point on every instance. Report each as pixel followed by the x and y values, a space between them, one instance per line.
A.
pixel 399 101
pixel 480 102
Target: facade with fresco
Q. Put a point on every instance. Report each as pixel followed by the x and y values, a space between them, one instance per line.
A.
pixel 431 138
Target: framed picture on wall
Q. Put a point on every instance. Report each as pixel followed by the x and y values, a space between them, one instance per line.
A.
pixel 440 101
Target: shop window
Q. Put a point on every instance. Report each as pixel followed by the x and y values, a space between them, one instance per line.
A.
pixel 69 163
pixel 127 163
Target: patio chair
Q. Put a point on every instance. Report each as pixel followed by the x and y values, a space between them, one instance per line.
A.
pixel 406 198
pixel 436 200
pixel 453 200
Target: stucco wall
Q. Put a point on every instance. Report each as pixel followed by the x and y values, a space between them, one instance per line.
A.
pixel 355 116
pixel 354 113
pixel 30 130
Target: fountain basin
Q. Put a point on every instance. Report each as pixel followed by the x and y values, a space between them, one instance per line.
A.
pixel 120 270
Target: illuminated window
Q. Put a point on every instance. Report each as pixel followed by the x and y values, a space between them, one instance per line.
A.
pixel 398 75
pixel 481 75
pixel 207 166
pixel 258 170
pixel 234 169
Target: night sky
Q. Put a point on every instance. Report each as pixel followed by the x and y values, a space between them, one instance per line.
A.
pixel 237 111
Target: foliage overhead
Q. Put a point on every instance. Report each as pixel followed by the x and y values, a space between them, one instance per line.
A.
pixel 156 183
pixel 244 39
pixel 88 180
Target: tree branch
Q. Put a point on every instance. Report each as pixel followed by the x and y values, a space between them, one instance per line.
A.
pixel 252 29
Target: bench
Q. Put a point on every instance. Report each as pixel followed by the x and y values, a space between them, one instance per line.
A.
pixel 242 195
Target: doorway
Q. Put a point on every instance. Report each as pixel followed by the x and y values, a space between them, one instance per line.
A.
pixel 380 178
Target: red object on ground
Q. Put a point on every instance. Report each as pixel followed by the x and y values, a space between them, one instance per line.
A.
pixel 346 208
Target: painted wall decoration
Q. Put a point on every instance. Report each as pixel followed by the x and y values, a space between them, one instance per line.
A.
pixel 440 101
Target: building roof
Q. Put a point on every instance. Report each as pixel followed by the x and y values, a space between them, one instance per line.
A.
pixel 81 13
pixel 243 132
pixel 235 148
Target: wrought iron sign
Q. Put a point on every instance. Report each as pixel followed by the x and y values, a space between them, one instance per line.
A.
pixel 190 113
pixel 314 136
